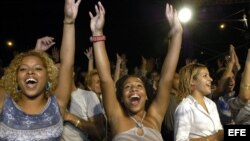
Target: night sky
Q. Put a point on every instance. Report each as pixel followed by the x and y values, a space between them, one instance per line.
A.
pixel 134 27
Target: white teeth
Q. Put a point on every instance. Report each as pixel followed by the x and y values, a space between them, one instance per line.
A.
pixel 30 79
pixel 135 96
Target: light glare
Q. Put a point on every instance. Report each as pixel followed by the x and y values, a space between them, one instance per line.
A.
pixel 9 44
pixel 222 26
pixel 185 14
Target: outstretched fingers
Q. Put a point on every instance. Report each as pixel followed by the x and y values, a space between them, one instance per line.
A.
pixel 91 15
pixel 71 10
pixel 97 21
pixel 97 10
pixel 169 13
pixel 101 8
pixel 173 20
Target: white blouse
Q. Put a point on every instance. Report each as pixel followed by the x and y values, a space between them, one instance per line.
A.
pixel 192 121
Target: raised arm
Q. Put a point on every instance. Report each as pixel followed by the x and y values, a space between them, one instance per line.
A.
pixel 55 55
pixel 67 53
pixel 160 104
pixel 237 65
pixel 44 43
pixel 244 92
pixel 143 67
pixel 89 55
pixel 117 67
pixel 102 61
pixel 228 71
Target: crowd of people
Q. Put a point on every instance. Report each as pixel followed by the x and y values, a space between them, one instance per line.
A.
pixel 45 97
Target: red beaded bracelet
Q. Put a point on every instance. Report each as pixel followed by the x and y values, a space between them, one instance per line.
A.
pixel 97 38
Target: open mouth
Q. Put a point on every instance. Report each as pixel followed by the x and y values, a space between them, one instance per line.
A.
pixel 31 82
pixel 134 99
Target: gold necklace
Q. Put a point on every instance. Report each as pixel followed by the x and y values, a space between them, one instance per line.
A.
pixel 138 124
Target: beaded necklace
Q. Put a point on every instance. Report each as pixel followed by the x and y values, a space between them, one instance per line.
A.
pixel 138 124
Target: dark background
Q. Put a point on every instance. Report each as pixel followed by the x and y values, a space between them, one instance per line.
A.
pixel 134 27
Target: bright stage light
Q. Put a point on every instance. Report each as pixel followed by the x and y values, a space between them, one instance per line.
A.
pixel 185 14
pixel 9 44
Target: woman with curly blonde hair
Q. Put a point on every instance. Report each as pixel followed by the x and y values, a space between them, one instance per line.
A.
pixel 33 93
pixel 9 80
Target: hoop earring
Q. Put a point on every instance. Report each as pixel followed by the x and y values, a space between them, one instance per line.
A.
pixel 18 89
pixel 48 86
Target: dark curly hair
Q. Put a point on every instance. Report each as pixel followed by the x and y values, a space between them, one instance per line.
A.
pixel 148 87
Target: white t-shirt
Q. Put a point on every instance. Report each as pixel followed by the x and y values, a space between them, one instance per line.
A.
pixel 84 104
pixel 192 121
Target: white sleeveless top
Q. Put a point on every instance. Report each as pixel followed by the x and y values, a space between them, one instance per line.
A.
pixel 131 135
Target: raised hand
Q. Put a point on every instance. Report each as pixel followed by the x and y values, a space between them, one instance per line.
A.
pixel 55 54
pixel 119 59
pixel 173 20
pixel 89 53
pixel 97 21
pixel 190 61
pixel 143 60
pixel 71 10
pixel 44 43
pixel 237 64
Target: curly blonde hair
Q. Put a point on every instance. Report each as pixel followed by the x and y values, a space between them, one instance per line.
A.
pixel 187 74
pixel 9 79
